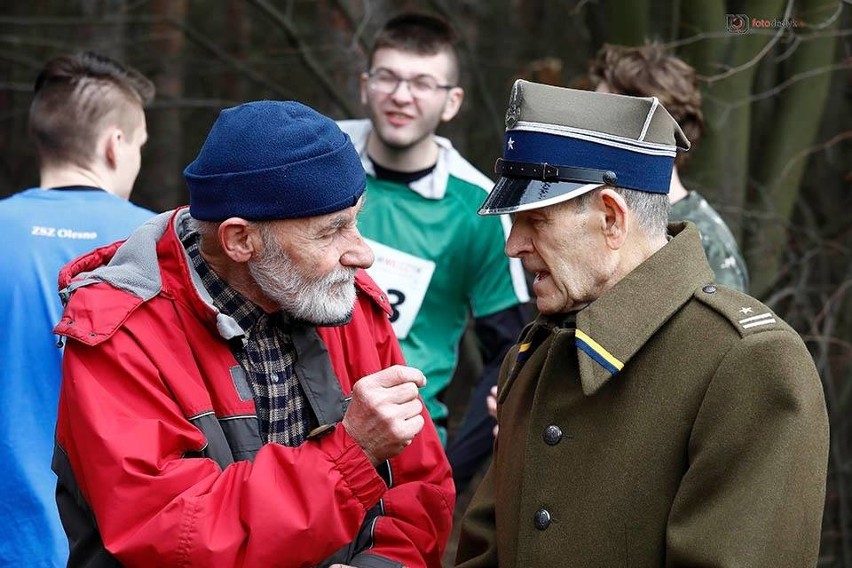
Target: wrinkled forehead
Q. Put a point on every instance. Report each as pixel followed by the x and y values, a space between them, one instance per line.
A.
pixel 323 223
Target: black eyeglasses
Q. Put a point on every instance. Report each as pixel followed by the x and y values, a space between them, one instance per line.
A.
pixel 387 82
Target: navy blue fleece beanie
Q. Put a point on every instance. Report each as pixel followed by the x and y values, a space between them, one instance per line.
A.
pixel 270 160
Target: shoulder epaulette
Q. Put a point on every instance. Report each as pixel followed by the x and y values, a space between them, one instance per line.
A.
pixel 747 315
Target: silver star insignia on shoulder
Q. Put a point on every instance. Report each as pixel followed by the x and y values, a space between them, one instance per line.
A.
pixel 745 311
pixel 510 143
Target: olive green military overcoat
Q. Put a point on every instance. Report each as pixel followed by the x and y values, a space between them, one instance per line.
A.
pixel 682 424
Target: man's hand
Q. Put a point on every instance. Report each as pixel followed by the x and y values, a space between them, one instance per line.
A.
pixel 491 403
pixel 384 414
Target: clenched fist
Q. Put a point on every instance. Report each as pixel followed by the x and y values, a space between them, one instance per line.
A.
pixel 384 413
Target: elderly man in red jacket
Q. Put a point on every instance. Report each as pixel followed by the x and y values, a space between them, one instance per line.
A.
pixel 233 394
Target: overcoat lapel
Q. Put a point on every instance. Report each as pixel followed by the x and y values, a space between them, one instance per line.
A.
pixel 616 326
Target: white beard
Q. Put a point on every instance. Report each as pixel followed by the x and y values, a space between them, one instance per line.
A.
pixel 328 300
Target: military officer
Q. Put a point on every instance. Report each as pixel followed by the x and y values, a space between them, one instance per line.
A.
pixel 648 417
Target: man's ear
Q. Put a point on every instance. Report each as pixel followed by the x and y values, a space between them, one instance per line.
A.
pixel 615 217
pixel 239 239
pixel 364 87
pixel 112 141
pixel 455 97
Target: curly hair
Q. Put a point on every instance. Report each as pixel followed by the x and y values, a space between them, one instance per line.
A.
pixel 650 70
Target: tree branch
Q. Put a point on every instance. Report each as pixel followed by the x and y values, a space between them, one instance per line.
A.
pixel 756 59
pixel 305 55
pixel 476 73
pixel 191 34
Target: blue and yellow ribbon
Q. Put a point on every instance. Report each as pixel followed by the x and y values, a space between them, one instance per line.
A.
pixel 594 350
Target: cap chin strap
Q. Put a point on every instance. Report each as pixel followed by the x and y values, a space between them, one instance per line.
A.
pixel 547 172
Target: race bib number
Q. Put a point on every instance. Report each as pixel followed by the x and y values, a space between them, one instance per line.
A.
pixel 405 279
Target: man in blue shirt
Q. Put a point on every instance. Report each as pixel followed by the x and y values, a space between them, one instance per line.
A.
pixel 88 125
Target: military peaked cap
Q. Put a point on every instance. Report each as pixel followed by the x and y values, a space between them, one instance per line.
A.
pixel 561 143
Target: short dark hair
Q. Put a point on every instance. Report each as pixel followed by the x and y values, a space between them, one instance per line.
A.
pixel 650 70
pixel 418 33
pixel 74 97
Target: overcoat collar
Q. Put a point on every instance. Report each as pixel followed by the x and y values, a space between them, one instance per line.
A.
pixel 614 327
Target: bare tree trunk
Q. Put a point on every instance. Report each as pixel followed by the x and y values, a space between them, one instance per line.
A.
pixel 165 187
pixel 306 55
pixel 627 23
pixel 237 32
pixel 728 73
pixel 348 59
pixel 779 162
pixel 109 40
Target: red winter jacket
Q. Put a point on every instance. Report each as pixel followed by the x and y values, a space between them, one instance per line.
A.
pixel 158 454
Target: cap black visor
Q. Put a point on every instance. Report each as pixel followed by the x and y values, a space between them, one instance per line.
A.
pixel 512 194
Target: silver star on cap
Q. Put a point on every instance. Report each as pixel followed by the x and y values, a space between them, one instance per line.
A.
pixel 510 143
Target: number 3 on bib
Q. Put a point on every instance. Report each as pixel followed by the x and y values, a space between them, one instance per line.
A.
pixel 395 298
pixel 405 278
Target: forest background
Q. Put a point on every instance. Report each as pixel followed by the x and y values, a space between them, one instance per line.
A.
pixel 774 159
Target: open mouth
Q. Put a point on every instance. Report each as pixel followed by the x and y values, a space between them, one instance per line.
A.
pixel 398 119
pixel 541 279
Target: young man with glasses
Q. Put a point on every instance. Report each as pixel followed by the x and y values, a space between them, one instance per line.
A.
pixel 437 260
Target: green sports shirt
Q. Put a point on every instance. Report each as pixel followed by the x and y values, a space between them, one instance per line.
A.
pixel 437 259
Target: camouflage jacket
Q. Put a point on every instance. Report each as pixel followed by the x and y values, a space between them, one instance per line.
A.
pixel 721 248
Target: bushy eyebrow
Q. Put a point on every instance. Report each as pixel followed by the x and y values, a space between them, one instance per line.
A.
pixel 341 220
pixel 335 224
